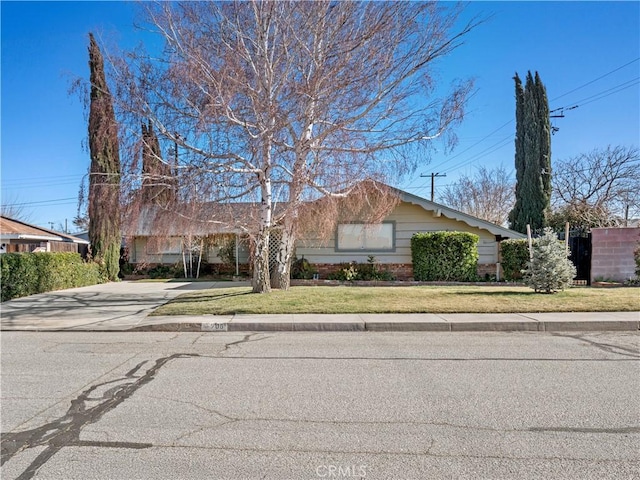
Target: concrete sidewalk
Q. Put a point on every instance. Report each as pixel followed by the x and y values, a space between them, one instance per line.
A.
pixel 125 306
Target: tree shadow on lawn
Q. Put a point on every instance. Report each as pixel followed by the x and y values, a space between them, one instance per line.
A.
pixel 208 297
pixel 497 294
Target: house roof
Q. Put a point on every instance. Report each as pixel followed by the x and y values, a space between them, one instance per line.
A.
pixel 236 217
pixel 448 212
pixel 11 229
pixel 201 220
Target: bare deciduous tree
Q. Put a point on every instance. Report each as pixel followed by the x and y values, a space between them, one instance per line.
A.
pixel 12 207
pixel 282 103
pixel 489 194
pixel 597 189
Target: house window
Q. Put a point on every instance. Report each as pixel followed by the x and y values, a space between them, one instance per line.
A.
pixel 357 237
pixel 164 246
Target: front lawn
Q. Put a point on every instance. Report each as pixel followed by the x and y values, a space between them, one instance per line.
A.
pixel 415 299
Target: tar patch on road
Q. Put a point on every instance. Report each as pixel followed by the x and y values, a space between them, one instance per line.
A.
pixel 65 431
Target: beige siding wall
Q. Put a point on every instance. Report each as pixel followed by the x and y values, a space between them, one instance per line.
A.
pixel 408 219
pixel 140 253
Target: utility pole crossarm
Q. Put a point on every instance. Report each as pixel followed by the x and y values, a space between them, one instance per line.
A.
pixel 433 182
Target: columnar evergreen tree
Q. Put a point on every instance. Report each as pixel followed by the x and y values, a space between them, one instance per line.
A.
pixel 532 155
pixel 104 178
pixel 158 182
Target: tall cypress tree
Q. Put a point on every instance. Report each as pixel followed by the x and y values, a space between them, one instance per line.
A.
pixel 158 182
pixel 532 156
pixel 104 177
pixel 544 130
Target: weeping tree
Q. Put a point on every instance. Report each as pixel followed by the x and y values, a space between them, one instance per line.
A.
pixel 279 104
pixel 104 173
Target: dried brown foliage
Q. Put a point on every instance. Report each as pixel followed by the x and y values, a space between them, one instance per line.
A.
pixel 282 103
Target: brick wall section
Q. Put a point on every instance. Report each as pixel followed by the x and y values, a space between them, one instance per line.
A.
pixel 402 271
pixel 612 253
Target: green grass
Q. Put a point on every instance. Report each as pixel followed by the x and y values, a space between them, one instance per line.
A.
pixel 416 299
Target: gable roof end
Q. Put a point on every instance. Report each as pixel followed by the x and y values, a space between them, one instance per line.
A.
pixel 470 220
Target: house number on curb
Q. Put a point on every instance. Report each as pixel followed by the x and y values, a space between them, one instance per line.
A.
pixel 214 327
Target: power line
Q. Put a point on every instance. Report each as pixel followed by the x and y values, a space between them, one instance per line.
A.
pixel 493 148
pixel 617 88
pixel 477 143
pixel 588 100
pixel 637 81
pixel 49 177
pixel 596 79
pixel 41 202
pixel 37 185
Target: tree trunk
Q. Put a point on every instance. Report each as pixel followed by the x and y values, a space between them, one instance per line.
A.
pixel 261 282
pixel 282 273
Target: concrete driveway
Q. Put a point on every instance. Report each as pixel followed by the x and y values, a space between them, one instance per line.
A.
pixel 108 305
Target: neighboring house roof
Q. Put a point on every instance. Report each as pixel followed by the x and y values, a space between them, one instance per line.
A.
pixel 460 216
pixel 11 229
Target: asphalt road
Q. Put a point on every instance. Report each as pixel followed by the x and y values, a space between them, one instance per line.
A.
pixel 320 405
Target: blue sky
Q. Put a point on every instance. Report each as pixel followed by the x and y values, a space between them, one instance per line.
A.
pixel 44 47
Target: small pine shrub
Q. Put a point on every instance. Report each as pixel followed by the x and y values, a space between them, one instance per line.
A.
pixel 550 270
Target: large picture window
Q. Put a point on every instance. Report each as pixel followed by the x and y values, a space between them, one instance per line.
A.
pixel 358 237
pixel 164 246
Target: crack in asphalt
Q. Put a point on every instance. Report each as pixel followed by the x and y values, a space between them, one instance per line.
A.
pixel 620 430
pixel 247 339
pixel 403 453
pixel 65 431
pixel 605 347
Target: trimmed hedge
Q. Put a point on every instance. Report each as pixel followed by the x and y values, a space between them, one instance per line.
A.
pixel 23 274
pixel 515 255
pixel 445 256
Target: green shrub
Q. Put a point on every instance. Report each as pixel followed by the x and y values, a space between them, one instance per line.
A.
pixel 165 271
pixel 19 275
pixel 636 257
pixel 29 273
pixel 302 269
pixel 372 271
pixel 445 256
pixel 347 272
pixel 550 270
pixel 515 255
pixel 354 271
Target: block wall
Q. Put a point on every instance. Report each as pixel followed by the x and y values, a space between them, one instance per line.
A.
pixel 612 253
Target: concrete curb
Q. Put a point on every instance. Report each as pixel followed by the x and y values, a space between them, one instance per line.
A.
pixel 547 322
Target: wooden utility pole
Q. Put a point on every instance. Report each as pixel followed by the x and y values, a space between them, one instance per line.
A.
pixel 433 182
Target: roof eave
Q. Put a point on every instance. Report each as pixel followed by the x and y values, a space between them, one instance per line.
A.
pixel 459 216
